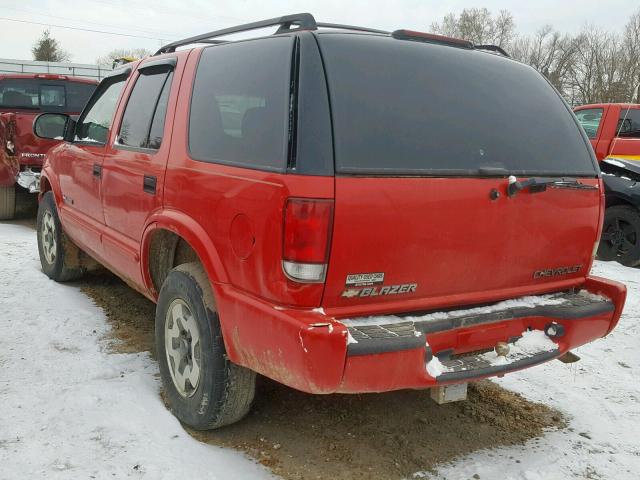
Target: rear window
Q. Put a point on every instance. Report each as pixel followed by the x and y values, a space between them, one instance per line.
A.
pixel 43 94
pixel 240 104
pixel 405 107
pixel 629 123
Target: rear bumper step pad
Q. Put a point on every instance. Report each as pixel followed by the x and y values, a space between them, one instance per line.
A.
pixel 393 333
pixel 473 366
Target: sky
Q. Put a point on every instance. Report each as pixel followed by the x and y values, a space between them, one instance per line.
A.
pixel 150 23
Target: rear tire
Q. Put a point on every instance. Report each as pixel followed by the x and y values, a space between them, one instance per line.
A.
pixel 620 238
pixel 59 256
pixel 202 387
pixel 7 202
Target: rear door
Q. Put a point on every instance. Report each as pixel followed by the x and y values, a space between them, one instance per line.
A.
pixel 134 164
pixel 426 137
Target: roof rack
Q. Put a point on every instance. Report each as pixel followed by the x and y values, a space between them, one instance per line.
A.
pixel 351 27
pixel 306 21
pixel 288 23
pixel 301 21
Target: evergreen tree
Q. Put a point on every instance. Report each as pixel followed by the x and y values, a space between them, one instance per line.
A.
pixel 47 49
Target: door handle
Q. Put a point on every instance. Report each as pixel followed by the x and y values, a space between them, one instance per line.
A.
pixel 149 184
pixel 97 170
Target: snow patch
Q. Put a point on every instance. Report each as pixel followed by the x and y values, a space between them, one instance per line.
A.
pixel 522 302
pixel 71 409
pixel 435 368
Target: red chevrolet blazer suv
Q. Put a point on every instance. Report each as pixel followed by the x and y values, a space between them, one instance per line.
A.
pixel 337 208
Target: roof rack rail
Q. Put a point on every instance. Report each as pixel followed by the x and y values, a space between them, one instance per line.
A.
pixel 492 48
pixel 339 26
pixel 299 21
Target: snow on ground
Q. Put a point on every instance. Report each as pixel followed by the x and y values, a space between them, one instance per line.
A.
pixel 69 409
pixel 601 396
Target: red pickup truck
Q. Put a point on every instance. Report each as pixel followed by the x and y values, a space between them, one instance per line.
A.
pixel 612 128
pixel 22 98
pixel 339 209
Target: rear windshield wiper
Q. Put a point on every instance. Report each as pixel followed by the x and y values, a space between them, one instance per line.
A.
pixel 540 184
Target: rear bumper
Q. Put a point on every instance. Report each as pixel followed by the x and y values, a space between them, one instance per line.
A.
pixel 315 353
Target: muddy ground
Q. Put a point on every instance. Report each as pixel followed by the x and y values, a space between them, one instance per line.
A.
pixel 344 437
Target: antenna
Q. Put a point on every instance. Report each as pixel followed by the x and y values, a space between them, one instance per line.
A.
pixel 634 94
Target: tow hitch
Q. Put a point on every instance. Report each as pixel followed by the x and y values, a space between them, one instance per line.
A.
pixel 30 180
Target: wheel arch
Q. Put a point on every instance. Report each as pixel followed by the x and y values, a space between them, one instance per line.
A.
pixel 172 238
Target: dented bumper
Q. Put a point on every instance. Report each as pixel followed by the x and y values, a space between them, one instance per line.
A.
pixel 316 353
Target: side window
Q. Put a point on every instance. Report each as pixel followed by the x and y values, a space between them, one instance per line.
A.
pixel 143 119
pixel 157 124
pixel 93 126
pixel 629 123
pixel 589 119
pixel 240 103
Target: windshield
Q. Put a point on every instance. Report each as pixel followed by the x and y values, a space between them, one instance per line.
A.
pixel 43 94
pixel 589 119
pixel 403 107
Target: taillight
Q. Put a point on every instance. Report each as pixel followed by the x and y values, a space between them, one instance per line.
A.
pixel 307 235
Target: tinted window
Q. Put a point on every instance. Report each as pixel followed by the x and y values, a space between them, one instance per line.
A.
pixel 157 125
pixel 56 95
pixel 138 115
pixel 239 106
pixel 19 93
pixel 629 123
pixel 78 95
pixel 589 119
pixel 52 96
pixel 95 122
pixel 412 107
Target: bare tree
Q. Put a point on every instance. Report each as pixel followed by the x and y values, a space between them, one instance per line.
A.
pixel 549 52
pixel 590 67
pixel 479 26
pixel 134 53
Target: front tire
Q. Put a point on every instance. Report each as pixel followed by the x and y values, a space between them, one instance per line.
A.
pixel 59 256
pixel 7 202
pixel 620 239
pixel 203 388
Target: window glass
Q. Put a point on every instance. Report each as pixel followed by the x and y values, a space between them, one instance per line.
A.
pixel 52 95
pixel 157 125
pixel 78 95
pixel 19 93
pixel 239 107
pixel 629 123
pixel 589 119
pixel 136 121
pixel 95 122
pixel 405 107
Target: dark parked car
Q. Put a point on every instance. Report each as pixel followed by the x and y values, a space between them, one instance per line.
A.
pixel 620 238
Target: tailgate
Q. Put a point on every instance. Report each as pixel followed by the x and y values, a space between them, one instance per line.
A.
pixel 430 238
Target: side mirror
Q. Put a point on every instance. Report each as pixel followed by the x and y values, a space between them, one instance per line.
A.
pixel 53 126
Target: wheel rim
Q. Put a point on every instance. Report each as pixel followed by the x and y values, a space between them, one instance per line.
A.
pixel 48 236
pixel 621 235
pixel 182 344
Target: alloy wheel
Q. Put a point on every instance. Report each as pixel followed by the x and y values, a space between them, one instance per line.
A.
pixel 182 345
